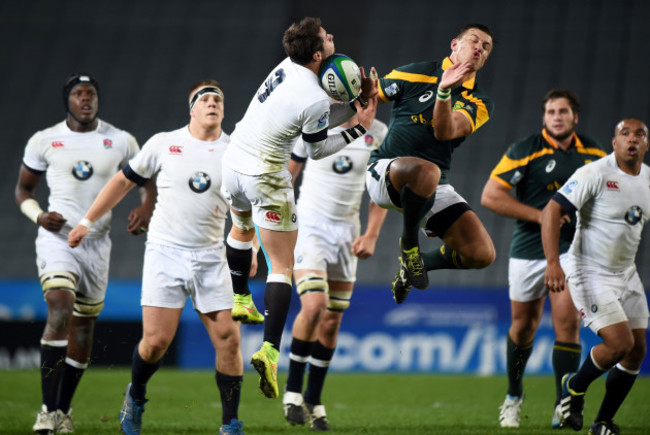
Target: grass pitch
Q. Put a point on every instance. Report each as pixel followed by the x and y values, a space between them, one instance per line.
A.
pixel 187 402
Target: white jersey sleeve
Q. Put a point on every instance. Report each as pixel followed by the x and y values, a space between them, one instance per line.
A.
pixel 333 186
pixel 289 103
pixel 190 209
pixel 612 209
pixel 77 166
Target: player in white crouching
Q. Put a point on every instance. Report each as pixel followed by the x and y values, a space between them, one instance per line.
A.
pixel 185 253
pixel 612 199
pixel 78 156
pixel 326 263
pixel 289 103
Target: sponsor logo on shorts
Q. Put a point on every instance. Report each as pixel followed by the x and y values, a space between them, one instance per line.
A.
pixel 612 185
pixel 57 144
pixel 108 144
pixel 83 170
pixel 633 215
pixel 274 217
pixel 200 182
pixel 293 218
pixel 175 149
pixel 594 308
pixel 299 259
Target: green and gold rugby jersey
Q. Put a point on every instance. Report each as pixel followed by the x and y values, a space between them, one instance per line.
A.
pixel 538 167
pixel 412 89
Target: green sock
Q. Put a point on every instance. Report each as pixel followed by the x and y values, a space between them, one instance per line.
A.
pixel 414 208
pixel 566 359
pixel 443 258
pixel 517 357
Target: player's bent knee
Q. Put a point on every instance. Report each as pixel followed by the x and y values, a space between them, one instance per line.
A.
pixel 84 307
pixel 339 300
pixel 244 223
pixel 58 281
pixel 312 283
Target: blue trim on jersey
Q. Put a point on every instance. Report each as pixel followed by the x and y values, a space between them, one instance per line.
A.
pixel 32 170
pixel 564 202
pixel 133 176
pixel 297 158
pixel 266 256
pixel 315 137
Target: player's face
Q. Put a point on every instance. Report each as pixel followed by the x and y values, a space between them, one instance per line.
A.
pixel 328 43
pixel 208 110
pixel 84 103
pixel 474 46
pixel 631 141
pixel 559 119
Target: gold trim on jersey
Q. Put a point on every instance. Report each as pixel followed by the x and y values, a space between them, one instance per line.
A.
pixel 411 77
pixel 507 164
pixel 482 114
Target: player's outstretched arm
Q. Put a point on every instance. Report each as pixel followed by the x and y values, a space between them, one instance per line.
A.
pixel 551 222
pixel 110 195
pixel 450 124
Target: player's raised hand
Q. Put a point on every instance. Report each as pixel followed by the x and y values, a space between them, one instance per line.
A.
pixel 77 235
pixel 455 75
pixel 369 85
pixel 366 115
pixel 51 221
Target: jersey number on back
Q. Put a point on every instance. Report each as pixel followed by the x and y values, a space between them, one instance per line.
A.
pixel 270 85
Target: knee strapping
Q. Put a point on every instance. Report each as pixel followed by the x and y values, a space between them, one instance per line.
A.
pixel 84 307
pixel 58 281
pixel 339 300
pixel 312 283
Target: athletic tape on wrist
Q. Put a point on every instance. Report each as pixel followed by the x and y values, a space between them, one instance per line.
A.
pixel 31 209
pixel 353 133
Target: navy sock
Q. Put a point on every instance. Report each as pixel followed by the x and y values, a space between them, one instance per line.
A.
pixel 141 372
pixel 69 382
pixel 517 358
pixel 230 392
pixel 300 351
pixel 277 297
pixel 52 359
pixel 618 385
pixel 239 262
pixel 585 376
pixel 319 362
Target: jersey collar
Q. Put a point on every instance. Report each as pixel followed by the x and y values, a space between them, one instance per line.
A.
pixel 469 84
pixel 576 140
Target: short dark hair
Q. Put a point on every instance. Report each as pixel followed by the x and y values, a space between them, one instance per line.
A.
pixel 481 27
pixel 301 40
pixel 572 98
pixel 202 83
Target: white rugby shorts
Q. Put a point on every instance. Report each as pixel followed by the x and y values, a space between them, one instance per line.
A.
pixel 605 298
pixel 171 274
pixel 526 278
pixel 326 245
pixel 269 196
pixel 89 261
pixel 446 195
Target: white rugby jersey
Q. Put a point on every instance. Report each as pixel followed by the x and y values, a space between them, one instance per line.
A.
pixel 333 186
pixel 190 209
pixel 288 103
pixel 77 166
pixel 612 208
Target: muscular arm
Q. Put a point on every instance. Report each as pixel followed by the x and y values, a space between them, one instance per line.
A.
pixel 497 198
pixel 448 124
pixel 24 191
pixel 551 223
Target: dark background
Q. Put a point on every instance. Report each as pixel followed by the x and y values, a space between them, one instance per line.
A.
pixel 146 54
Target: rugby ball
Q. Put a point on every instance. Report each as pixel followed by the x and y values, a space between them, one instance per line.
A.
pixel 340 77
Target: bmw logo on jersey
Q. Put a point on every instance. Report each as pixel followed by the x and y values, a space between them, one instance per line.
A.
pixel 83 170
pixel 342 165
pixel 633 215
pixel 200 182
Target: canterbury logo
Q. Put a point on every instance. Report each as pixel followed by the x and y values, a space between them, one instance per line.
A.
pixel 175 149
pixel 612 185
pixel 273 217
pixel 57 144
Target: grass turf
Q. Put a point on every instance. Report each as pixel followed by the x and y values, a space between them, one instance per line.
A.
pixel 187 402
